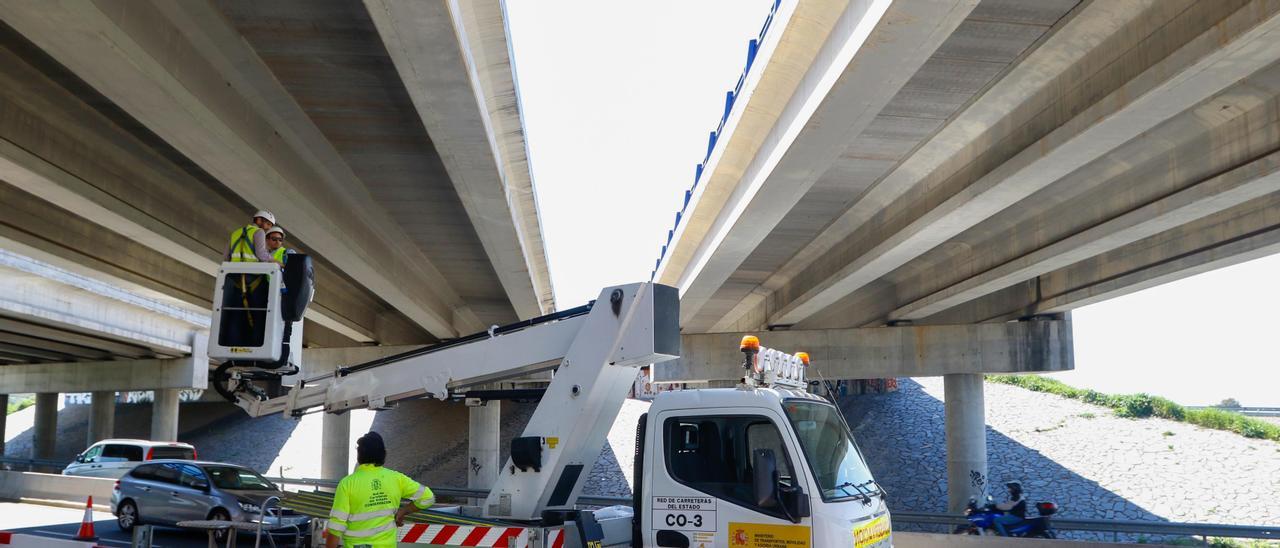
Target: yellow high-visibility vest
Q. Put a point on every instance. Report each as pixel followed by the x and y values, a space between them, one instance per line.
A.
pixel 242 245
pixel 365 504
pixel 279 254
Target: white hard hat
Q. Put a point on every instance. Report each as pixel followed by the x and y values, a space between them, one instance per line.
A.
pixel 266 215
pixel 274 230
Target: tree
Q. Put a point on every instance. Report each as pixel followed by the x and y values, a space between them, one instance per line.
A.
pixel 1229 402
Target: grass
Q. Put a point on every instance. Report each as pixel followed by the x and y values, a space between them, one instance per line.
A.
pixel 19 405
pixel 1137 406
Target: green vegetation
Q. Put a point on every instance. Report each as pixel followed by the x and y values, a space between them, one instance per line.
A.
pixel 1137 406
pixel 1216 542
pixel 18 404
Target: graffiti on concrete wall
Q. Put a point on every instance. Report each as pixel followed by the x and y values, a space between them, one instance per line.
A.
pixel 134 396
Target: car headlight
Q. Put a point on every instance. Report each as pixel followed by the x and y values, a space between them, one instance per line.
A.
pixel 250 507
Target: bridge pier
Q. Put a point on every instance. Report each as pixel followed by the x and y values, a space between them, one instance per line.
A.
pixel 483 441
pixel 4 417
pixel 966 439
pixel 102 417
pixel 46 426
pixel 164 415
pixel 335 446
pixel 335 430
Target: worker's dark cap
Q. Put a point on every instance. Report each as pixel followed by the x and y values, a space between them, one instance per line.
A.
pixel 371 450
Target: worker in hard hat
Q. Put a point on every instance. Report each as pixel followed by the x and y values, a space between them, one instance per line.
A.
pixel 249 242
pixel 367 506
pixel 275 245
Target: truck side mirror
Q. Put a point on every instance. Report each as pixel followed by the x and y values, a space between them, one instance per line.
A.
pixel 764 481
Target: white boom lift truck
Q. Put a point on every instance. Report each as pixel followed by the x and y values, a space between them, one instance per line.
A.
pixel 765 464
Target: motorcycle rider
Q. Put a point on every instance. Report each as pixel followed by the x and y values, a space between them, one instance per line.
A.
pixel 1015 508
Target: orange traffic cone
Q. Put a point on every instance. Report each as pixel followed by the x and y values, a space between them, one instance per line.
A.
pixel 86 524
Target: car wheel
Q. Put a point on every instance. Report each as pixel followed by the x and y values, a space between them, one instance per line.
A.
pixel 220 515
pixel 127 516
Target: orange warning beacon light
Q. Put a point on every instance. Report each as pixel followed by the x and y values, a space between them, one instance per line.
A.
pixel 804 358
pixel 750 348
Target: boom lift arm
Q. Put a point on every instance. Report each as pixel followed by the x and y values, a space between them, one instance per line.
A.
pixel 595 351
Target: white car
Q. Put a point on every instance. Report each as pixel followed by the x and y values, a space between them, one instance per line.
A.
pixel 114 458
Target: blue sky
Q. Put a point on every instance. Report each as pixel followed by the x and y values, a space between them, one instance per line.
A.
pixel 618 98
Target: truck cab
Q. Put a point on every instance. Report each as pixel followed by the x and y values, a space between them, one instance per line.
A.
pixel 753 466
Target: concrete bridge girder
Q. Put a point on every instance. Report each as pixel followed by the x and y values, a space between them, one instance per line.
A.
pixel 880 352
pixel 482 148
pixel 254 138
pixel 1178 198
pixel 191 371
pixel 1110 133
pixel 850 79
pixel 33 297
pixel 1207 64
pixel 164 226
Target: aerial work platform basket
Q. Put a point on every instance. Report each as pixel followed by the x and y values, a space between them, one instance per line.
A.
pixel 257 312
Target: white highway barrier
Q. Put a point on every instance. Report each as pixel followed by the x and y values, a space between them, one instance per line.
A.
pixel 33 485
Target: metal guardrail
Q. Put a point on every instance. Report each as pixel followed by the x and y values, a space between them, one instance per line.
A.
pixel 1117 526
pixel 1098 525
pixel 42 463
pixel 1246 411
pixel 592 500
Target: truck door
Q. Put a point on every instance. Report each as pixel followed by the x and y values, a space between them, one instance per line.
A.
pixel 698 480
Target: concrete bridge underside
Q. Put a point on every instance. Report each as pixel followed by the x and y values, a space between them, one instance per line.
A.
pixel 135 135
pixel 981 161
pixel 895 171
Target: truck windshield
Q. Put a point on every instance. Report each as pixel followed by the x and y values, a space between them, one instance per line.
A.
pixel 838 468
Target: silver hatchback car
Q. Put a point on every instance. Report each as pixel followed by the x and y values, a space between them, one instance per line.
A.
pixel 165 492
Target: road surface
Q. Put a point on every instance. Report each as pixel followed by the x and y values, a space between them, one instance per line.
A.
pixel 55 522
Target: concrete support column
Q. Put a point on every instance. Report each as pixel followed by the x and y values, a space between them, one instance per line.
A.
pixel 485 429
pixel 164 415
pixel 335 446
pixel 966 440
pixel 102 417
pixel 46 426
pixel 4 417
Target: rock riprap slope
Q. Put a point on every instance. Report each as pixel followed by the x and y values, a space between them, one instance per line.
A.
pixel 1093 464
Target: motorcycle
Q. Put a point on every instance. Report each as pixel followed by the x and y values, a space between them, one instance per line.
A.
pixel 982 521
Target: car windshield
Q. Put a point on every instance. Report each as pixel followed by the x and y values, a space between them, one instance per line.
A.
pixel 838 467
pixel 230 477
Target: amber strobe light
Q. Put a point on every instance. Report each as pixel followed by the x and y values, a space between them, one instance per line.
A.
pixel 804 357
pixel 750 348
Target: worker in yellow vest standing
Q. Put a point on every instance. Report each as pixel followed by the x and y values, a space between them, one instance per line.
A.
pixel 367 506
pixel 249 242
